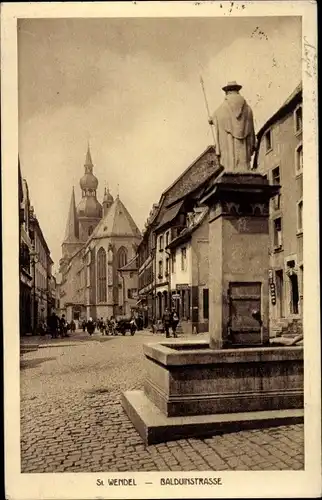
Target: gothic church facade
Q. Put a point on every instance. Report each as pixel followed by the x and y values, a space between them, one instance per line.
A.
pixel 100 240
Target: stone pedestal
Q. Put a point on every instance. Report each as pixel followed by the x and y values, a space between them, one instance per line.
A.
pixel 235 380
pixel 239 259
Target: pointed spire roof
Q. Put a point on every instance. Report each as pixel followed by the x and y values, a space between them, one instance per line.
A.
pixel 72 230
pixel 108 198
pixel 116 222
pixel 88 159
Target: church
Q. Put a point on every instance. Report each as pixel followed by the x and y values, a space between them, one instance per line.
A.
pixel 98 268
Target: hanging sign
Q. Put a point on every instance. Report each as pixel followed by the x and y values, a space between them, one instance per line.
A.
pixel 272 286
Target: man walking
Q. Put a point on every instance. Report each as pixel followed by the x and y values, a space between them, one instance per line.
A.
pixel 174 322
pixel 53 324
pixel 166 320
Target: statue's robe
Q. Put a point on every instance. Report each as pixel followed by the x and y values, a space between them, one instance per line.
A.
pixel 234 133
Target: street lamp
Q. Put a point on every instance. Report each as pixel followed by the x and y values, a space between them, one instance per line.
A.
pixel 34 258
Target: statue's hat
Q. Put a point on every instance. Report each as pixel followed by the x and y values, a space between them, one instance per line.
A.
pixel 232 86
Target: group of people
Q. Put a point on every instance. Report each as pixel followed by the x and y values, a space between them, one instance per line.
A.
pixel 59 327
pixel 170 319
pixel 107 327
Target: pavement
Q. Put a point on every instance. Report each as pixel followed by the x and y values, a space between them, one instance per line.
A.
pixel 72 419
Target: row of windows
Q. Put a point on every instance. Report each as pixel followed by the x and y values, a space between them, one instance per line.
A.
pixel 167 240
pixel 277 225
pixel 102 270
pixel 173 264
pixel 298 124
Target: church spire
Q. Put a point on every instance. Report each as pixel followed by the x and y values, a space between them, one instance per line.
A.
pixel 88 160
pixel 72 230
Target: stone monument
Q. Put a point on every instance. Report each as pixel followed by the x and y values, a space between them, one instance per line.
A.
pixel 236 379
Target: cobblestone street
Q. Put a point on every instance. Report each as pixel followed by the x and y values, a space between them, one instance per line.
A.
pixel 72 419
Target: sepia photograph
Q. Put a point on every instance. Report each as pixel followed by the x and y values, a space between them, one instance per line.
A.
pixel 160 180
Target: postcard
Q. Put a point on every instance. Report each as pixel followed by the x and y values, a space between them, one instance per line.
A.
pixel 160 250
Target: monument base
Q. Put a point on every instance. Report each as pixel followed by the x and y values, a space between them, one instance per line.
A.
pixel 155 427
pixel 191 389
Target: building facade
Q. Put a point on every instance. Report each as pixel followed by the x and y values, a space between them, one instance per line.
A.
pixel 100 241
pixel 42 274
pixel 25 251
pixel 168 274
pixel 280 157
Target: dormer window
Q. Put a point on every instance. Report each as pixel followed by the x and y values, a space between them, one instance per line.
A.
pixel 298 120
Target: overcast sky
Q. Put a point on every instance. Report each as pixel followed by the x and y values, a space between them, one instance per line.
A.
pixel 131 86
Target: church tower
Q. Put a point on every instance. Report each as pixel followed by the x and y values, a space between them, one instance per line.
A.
pixel 71 241
pixel 108 200
pixel 89 210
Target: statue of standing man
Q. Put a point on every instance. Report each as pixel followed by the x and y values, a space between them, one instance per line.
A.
pixel 234 131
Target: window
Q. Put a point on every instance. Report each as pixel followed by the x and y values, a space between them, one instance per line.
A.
pixel 299 159
pixel 206 303
pixel 173 262
pixel 276 179
pixel 160 269
pixel 300 216
pixel 276 176
pixel 122 257
pixel 167 239
pixel 298 119
pixel 268 141
pixel 101 275
pixel 90 230
pixel 132 293
pixel 277 233
pixel 183 259
pixel 167 267
pixel 161 243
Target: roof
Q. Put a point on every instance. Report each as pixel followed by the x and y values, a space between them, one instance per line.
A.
pixel 116 222
pixel 131 265
pixel 187 232
pixel 191 186
pixel 283 110
pixel 288 105
pixel 170 214
pixel 71 232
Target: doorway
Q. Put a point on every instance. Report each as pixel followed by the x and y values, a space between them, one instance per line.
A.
pixel 280 293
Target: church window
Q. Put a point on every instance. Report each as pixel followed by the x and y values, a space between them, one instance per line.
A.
pixel 122 257
pixel 101 275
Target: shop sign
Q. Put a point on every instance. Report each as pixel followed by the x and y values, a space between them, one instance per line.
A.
pixel 272 286
pixel 183 287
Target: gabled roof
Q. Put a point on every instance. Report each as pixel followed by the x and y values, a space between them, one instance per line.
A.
pixel 116 222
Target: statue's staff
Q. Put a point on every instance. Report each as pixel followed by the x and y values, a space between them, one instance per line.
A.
pixel 207 108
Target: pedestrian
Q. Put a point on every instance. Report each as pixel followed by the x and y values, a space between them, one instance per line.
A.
pixel 72 326
pixel 63 326
pixel 113 325
pixel 84 325
pixel 174 322
pixel 166 320
pixel 133 325
pixel 90 326
pixel 53 324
